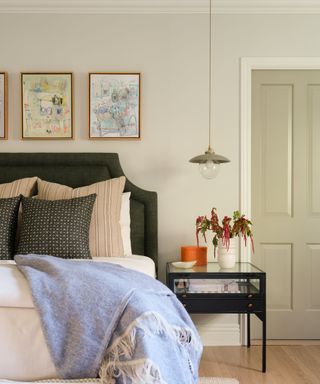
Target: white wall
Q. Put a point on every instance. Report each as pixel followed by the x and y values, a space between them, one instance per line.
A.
pixel 171 52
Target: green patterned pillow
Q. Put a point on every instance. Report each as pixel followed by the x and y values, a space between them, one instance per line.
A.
pixel 9 209
pixel 56 228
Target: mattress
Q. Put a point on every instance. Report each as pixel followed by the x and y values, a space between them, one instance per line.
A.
pixel 23 351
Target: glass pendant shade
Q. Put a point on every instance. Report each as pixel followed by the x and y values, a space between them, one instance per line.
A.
pixel 209 169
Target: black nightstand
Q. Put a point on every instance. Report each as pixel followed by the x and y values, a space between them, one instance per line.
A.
pixel 209 289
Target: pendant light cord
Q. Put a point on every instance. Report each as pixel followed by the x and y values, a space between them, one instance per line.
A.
pixel 210 69
pixel 209 155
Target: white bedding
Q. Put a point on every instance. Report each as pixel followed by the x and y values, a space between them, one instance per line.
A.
pixel 23 351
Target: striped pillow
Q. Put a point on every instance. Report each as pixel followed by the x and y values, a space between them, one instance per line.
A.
pixel 105 232
pixel 23 187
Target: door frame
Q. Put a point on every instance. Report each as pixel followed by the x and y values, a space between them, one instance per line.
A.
pixel 247 65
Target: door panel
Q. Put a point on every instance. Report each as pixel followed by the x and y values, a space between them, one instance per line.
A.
pixel 286 198
pixel 313 260
pixel 276 136
pixel 277 262
pixel 314 148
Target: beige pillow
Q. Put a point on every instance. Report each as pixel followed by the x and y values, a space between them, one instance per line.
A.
pixel 105 231
pixel 23 187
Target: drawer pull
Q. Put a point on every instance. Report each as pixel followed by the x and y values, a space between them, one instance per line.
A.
pixel 250 296
pixel 184 295
pixel 250 305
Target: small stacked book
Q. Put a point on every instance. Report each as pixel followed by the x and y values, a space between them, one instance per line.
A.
pixel 213 286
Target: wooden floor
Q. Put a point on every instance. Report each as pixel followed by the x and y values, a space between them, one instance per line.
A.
pixel 289 364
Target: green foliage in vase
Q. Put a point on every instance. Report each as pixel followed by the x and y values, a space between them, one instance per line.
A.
pixel 237 226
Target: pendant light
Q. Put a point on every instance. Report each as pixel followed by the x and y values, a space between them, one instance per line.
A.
pixel 209 162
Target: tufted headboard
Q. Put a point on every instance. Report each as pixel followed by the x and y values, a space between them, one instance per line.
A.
pixel 79 169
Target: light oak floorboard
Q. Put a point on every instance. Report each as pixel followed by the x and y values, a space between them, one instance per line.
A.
pixel 287 364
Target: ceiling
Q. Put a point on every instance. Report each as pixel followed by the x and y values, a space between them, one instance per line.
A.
pixel 161 6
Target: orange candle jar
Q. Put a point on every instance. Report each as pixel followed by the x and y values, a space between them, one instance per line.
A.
pixel 192 252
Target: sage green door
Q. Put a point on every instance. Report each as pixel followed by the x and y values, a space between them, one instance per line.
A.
pixel 286 198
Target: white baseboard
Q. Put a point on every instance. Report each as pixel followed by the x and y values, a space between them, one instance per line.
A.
pixel 219 334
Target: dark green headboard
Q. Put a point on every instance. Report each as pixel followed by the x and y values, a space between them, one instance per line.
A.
pixel 79 169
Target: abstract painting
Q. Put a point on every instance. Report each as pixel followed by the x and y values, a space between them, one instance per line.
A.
pixel 3 105
pixel 47 106
pixel 114 105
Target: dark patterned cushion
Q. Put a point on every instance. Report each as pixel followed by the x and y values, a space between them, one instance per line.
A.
pixel 9 209
pixel 57 228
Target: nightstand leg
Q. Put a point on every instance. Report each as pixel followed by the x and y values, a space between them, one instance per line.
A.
pixel 264 343
pixel 248 331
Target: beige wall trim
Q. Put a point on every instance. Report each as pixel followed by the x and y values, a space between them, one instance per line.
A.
pixel 248 64
pixel 267 6
pixel 160 6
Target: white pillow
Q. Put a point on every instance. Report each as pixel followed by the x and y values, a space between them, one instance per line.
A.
pixel 125 223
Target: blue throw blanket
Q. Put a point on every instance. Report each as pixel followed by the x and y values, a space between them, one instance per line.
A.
pixel 103 319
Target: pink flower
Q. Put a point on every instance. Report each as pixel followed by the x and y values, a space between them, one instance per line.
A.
pixel 241 227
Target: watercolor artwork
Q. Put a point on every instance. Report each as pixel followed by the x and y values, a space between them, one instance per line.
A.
pixel 114 105
pixel 3 100
pixel 47 106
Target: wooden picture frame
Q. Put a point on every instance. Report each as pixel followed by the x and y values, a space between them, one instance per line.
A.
pixel 47 105
pixel 3 106
pixel 114 106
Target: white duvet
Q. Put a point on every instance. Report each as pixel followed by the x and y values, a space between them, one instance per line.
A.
pixel 23 351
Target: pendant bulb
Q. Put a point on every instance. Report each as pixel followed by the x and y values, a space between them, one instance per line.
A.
pixel 209 169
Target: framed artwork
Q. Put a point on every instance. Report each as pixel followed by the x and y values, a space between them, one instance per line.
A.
pixel 3 106
pixel 114 105
pixel 47 105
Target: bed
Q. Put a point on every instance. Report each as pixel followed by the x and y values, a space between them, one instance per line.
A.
pixel 80 169
pixel 20 329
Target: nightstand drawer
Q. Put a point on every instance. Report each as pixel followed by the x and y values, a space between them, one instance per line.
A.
pixel 221 305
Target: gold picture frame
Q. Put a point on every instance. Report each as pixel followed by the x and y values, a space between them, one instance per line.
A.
pixel 115 105
pixel 47 106
pixel 3 106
